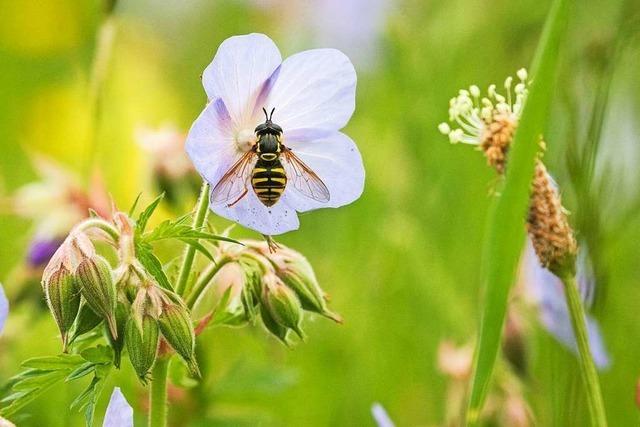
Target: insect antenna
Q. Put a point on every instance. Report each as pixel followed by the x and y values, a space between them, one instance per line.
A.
pixel 272 110
pixel 266 116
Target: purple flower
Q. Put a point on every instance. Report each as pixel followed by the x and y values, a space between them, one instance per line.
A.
pixel 41 250
pixel 119 412
pixel 547 292
pixel 380 416
pixel 313 94
pixel 4 308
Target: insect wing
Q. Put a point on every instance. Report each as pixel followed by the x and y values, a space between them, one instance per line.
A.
pixel 235 181
pixel 303 178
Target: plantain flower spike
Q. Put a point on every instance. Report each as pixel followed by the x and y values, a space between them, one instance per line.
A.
pixel 548 226
pixel 488 122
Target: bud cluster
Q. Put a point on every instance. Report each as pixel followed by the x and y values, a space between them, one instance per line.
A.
pixel 276 286
pixel 84 291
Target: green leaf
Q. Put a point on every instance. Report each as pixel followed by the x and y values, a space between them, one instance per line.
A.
pixel 101 354
pixel 51 363
pixel 153 265
pixel 141 224
pixel 181 229
pixel 506 235
pixel 81 371
pixel 135 204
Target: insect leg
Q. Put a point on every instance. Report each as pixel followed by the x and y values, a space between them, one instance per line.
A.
pixel 244 193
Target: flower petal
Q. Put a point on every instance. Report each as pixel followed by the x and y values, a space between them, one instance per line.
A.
pixel 239 70
pixel 251 213
pixel 119 412
pixel 210 143
pixel 315 89
pixel 4 307
pixel 380 416
pixel 337 162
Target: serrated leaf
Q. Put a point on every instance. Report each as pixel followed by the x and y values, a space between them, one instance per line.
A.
pixel 505 235
pixel 51 363
pixel 180 228
pixel 101 354
pixel 81 371
pixel 35 382
pixel 153 265
pixel 141 224
pixel 133 207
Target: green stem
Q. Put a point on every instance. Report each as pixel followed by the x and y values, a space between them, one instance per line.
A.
pixel 190 253
pixel 204 280
pixel 104 47
pixel 587 367
pixel 158 393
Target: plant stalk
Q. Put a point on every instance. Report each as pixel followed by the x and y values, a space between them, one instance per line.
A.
pixel 202 210
pixel 587 367
pixel 158 393
pixel 204 279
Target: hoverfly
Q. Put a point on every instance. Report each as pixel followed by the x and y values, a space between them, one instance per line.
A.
pixel 269 166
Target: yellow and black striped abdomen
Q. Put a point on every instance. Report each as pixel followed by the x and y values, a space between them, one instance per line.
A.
pixel 268 180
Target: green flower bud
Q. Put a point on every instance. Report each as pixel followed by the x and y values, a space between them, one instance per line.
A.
pixel 297 273
pixel 86 321
pixel 273 326
pixel 98 289
pixel 63 299
pixel 142 345
pixel 122 316
pixel 282 303
pixel 177 329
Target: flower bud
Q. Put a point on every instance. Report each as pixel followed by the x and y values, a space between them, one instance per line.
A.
pixel 122 316
pixel 176 327
pixel 86 321
pixel 76 248
pixel 98 289
pixel 272 326
pixel 63 299
pixel 142 345
pixel 282 303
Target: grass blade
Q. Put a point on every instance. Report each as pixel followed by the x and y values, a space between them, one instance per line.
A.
pixel 506 231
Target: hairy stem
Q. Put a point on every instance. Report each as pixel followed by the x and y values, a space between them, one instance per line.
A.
pixel 204 280
pixel 102 225
pixel 158 393
pixel 587 367
pixel 202 210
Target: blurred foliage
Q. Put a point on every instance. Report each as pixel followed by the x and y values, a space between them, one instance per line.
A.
pixel 401 263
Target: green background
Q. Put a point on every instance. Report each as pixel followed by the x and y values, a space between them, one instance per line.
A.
pixel 402 263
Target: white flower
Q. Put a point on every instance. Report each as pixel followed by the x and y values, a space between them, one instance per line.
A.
pixel 119 412
pixel 380 416
pixel 313 93
pixel 547 292
pixel 4 308
pixel 473 114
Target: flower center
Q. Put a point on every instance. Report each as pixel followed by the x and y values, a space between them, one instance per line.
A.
pixel 245 140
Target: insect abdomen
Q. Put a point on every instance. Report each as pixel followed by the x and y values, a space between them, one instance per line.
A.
pixel 268 181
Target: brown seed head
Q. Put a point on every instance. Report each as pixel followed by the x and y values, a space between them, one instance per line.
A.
pixel 548 226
